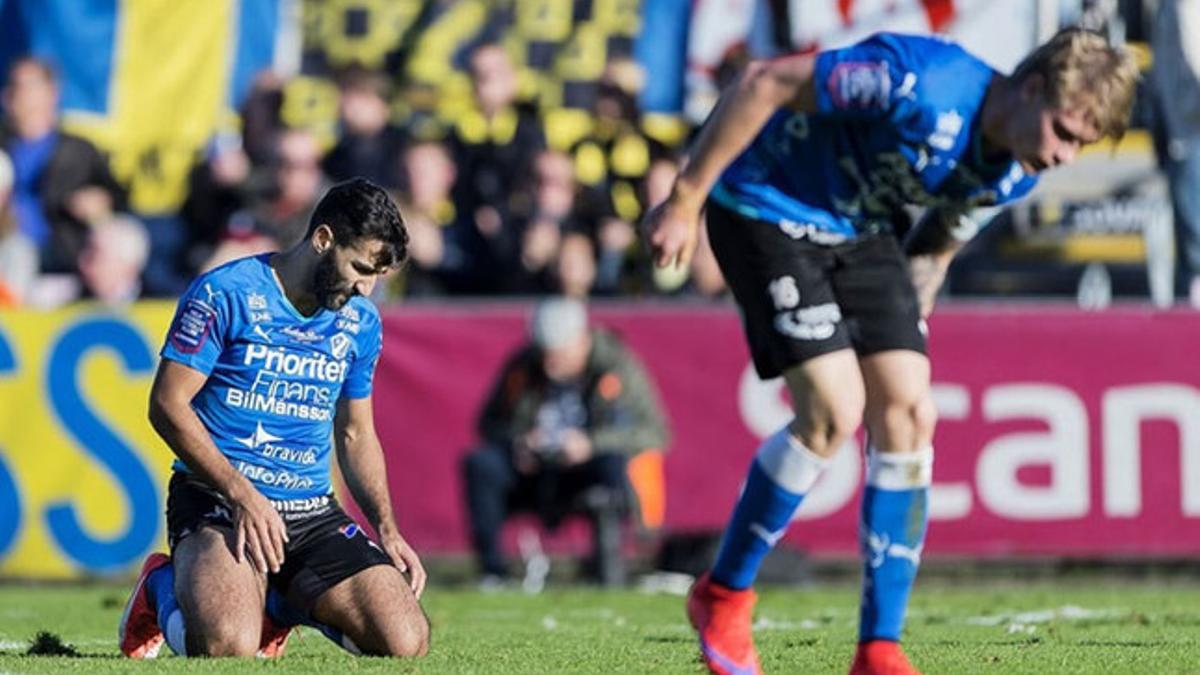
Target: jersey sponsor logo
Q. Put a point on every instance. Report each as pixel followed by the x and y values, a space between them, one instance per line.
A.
pixel 861 85
pixel 817 322
pixel 340 345
pixel 349 530
pixel 259 437
pixel 279 360
pixel 256 301
pixel 258 402
pixel 191 328
pixel 305 505
pixel 264 333
pixel 306 336
pixel 280 478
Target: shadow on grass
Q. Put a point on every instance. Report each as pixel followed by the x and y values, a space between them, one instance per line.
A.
pixel 670 639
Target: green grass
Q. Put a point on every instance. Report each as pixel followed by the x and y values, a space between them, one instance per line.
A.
pixel 1090 627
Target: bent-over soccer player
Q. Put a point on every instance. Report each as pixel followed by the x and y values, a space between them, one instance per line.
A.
pixel 268 359
pixel 805 167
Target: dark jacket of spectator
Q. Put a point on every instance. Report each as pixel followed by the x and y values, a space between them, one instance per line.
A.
pixel 624 415
pixel 74 164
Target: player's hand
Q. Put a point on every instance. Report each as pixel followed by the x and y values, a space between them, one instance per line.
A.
pixel 261 533
pixel 671 231
pixel 404 558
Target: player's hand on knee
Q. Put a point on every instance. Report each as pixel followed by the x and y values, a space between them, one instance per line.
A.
pixel 261 534
pixel 671 233
pixel 404 558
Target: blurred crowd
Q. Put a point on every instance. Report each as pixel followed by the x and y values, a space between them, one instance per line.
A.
pixel 509 132
pixel 511 179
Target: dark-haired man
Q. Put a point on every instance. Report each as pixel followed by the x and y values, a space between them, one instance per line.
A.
pixel 268 357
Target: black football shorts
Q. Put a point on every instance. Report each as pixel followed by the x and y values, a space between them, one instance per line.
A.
pixel 325 545
pixel 800 299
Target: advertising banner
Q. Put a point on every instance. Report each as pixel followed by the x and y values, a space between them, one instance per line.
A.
pixel 1061 433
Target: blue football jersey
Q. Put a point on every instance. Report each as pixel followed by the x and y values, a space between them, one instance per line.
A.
pixel 274 375
pixel 897 123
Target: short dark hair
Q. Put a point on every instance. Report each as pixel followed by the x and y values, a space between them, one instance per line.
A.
pixel 358 209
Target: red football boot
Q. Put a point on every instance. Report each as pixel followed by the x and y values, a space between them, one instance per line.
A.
pixel 274 638
pixel 722 618
pixel 881 657
pixel 138 633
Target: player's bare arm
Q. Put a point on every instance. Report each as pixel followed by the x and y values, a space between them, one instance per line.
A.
pixel 931 246
pixel 740 114
pixel 260 532
pixel 360 457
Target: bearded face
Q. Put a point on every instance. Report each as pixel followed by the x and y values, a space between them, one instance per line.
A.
pixel 331 289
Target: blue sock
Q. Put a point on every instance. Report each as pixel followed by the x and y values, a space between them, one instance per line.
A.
pixel 284 615
pixel 161 587
pixel 894 519
pixel 782 472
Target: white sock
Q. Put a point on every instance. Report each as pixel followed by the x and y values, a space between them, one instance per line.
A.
pixel 788 463
pixel 900 470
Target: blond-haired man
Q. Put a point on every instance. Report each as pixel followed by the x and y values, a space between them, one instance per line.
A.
pixel 806 168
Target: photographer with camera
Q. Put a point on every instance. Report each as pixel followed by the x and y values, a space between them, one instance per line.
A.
pixel 568 412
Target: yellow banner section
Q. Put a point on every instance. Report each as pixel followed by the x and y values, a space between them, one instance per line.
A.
pixel 82 474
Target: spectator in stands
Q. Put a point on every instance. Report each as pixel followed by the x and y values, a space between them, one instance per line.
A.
pixel 567 413
pixel 279 218
pixel 112 261
pixel 575 269
pixel 369 144
pixel 219 186
pixel 438 262
pixel 62 183
pixel 543 210
pixel 495 143
pixel 18 255
pixel 1176 79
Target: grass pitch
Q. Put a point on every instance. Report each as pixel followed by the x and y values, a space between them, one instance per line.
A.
pixel 1090 627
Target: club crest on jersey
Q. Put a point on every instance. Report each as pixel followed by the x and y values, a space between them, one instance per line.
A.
pixel 339 344
pixel 857 84
pixel 348 530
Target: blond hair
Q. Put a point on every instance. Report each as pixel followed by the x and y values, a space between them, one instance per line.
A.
pixel 1080 68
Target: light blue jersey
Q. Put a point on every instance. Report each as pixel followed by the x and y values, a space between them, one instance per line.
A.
pixel 897 123
pixel 274 375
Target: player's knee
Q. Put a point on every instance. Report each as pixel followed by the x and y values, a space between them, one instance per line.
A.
pixel 925 416
pixel 903 425
pixel 227 639
pixel 825 436
pixel 409 638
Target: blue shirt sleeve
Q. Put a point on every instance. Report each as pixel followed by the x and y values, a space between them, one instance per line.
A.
pixel 362 369
pixel 200 329
pixel 873 79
